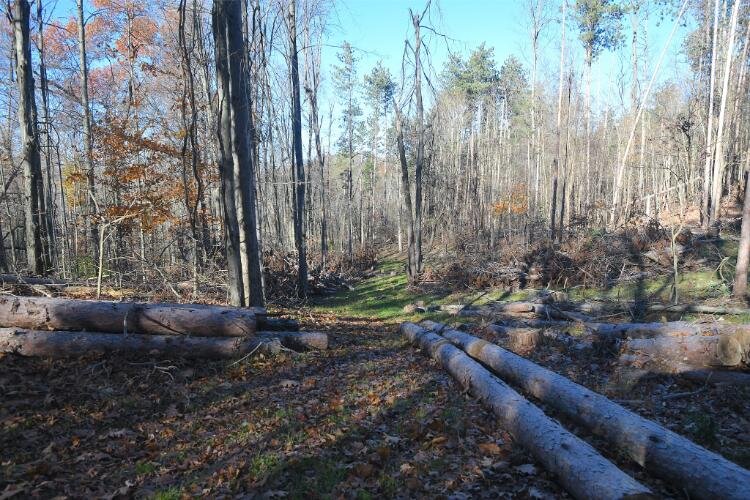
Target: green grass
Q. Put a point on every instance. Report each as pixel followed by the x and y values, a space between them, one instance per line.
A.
pixel 173 493
pixel 381 297
pixel 142 468
pixel 691 286
pixel 384 296
pixel 311 477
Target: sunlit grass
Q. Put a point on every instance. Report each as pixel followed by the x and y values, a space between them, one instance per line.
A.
pixel 384 296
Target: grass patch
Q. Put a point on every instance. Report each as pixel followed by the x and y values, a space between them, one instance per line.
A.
pixel 310 477
pixel 263 465
pixel 382 297
pixel 143 468
pixel 691 286
pixel 173 493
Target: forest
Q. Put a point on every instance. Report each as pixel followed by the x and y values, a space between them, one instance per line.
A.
pixel 358 249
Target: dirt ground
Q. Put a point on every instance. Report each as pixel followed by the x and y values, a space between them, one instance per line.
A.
pixel 371 417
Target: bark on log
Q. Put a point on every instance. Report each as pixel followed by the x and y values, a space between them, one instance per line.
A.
pixel 523 310
pixel 15 279
pixel 611 306
pixel 702 473
pixel 276 324
pixel 580 469
pixel 529 337
pixel 673 353
pixel 62 344
pixel 298 341
pixel 41 313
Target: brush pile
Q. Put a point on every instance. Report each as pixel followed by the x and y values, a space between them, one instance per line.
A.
pixel 595 259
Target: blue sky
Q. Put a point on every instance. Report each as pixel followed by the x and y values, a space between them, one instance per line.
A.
pixel 378 29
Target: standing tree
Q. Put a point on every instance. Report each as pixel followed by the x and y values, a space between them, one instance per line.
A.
pixel 298 169
pixel 36 253
pixel 236 167
pixel 743 252
pixel 379 88
pixel 91 223
pixel 414 210
pixel 345 78
pixel 558 130
pixel 599 29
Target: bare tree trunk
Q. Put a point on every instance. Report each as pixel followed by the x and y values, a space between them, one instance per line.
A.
pixel 91 218
pixel 312 96
pixel 31 161
pixel 719 159
pixel 298 169
pixel 743 253
pixel 706 200
pixel 556 162
pixel 238 179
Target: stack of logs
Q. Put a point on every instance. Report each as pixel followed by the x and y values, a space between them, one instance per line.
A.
pixel 488 371
pixel 55 327
pixel 714 351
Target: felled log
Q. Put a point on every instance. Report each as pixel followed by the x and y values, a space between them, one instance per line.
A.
pixel 15 279
pixel 64 344
pixel 529 337
pixel 276 324
pixel 298 341
pixel 674 353
pixel 523 310
pixel 42 313
pixel 580 469
pixel 522 338
pixel 702 473
pixel 612 306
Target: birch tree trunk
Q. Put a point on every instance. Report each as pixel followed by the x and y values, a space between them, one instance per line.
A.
pixel 719 160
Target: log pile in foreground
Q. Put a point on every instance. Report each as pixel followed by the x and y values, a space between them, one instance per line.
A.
pixel 38 326
pixel 702 473
pixel 578 466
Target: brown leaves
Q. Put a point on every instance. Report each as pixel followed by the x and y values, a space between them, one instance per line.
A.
pixel 489 448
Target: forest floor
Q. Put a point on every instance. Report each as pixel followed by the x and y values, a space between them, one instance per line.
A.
pixel 371 417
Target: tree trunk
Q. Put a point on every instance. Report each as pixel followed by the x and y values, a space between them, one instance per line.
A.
pixel 743 252
pixel 238 179
pixel 719 160
pixel 658 450
pixel 580 469
pixel 34 205
pixel 79 344
pixel 298 169
pixel 41 313
pixel 709 153
pixel 298 341
pixel 672 354
pixel 91 222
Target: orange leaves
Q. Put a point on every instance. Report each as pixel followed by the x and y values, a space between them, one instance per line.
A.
pixel 516 202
